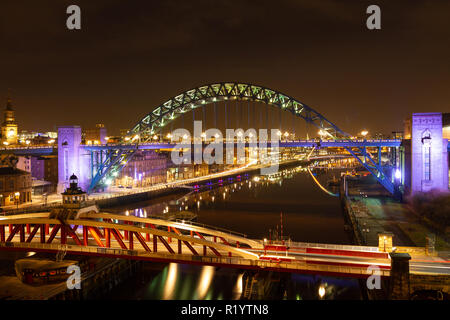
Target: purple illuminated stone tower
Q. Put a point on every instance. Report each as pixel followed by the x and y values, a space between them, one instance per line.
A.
pixel 72 159
pixel 429 159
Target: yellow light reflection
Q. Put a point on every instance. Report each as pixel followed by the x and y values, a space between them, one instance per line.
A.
pixel 205 281
pixel 238 287
pixel 171 280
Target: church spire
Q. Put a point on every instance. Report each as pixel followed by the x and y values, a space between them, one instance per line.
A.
pixel 9 101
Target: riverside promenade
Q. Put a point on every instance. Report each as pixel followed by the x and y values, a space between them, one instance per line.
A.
pixel 370 211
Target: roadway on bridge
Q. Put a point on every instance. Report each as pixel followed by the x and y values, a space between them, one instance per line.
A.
pixel 297 257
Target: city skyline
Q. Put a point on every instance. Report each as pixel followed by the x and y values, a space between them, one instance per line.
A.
pixel 127 57
pixel 256 154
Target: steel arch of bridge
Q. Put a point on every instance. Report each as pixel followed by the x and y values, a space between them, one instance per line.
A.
pixel 191 99
pixel 217 92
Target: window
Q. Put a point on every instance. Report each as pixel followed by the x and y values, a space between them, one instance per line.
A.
pixel 66 164
pixel 426 151
pixel 426 163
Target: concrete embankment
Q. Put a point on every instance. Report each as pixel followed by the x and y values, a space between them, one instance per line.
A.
pixel 108 202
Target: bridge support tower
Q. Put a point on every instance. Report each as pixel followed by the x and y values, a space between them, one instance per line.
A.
pixel 429 159
pixel 71 158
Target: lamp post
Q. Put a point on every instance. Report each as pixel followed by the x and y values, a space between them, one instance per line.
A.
pixel 17 197
pixel 365 232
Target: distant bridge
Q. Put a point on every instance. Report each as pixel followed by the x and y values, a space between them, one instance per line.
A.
pixel 47 150
pixel 262 144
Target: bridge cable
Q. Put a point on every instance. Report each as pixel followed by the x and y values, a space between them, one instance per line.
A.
pixel 204 117
pixel 279 119
pixel 182 121
pixel 237 116
pixel 248 115
pixel 293 127
pixel 226 116
pixel 215 116
pixel 260 118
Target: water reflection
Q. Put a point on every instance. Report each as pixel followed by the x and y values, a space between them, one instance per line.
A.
pixel 250 204
pixel 205 281
pixel 170 281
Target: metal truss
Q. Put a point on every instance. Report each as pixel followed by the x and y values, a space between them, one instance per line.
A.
pixel 191 99
pixel 154 121
pixel 113 163
pixel 126 236
pixel 365 158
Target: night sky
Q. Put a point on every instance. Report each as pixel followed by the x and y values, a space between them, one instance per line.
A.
pixel 130 56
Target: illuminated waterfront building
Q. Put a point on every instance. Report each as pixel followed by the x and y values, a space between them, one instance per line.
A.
pixel 95 135
pixel 15 186
pixel 145 169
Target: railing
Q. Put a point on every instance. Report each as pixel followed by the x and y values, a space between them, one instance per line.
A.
pixel 163 142
pixel 332 246
pixel 43 146
pixel 236 261
pixel 191 223
pixel 31 208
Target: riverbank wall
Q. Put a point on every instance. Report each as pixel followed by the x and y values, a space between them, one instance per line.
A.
pixel 101 281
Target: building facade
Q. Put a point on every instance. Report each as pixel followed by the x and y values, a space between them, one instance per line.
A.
pixel 24 163
pixel 15 186
pixel 95 135
pixel 146 168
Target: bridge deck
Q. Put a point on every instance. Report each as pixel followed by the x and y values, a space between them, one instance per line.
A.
pixel 147 239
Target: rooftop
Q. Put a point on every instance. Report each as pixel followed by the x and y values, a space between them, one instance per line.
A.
pixel 11 170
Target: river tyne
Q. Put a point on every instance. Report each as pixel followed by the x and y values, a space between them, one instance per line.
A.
pixel 253 205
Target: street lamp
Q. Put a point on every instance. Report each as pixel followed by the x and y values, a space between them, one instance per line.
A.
pixel 364 133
